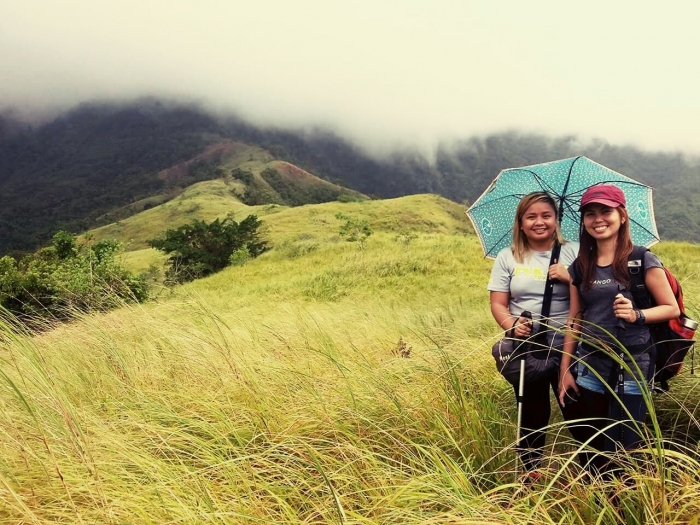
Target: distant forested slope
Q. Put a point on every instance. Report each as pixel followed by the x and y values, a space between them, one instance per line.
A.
pixel 99 157
pixel 65 174
pixel 462 169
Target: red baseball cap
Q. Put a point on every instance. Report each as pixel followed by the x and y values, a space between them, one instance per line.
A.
pixel 606 194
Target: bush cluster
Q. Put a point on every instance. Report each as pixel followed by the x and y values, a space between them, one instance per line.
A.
pixel 58 281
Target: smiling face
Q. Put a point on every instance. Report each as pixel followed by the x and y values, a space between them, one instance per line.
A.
pixel 602 222
pixel 538 223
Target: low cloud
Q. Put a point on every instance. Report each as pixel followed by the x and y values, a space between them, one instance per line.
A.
pixel 383 73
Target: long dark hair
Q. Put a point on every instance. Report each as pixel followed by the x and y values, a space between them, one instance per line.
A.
pixel 588 253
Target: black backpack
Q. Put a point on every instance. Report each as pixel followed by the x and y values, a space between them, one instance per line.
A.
pixel 674 338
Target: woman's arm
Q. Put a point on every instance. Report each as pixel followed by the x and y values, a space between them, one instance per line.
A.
pixel 499 309
pixel 500 302
pixel 573 328
pixel 666 305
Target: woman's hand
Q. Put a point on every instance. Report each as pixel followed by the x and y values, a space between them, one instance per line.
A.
pixel 522 327
pixel 566 382
pixel 624 309
pixel 558 272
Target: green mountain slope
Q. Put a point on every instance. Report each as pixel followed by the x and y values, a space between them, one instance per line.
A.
pixel 100 163
pixel 291 225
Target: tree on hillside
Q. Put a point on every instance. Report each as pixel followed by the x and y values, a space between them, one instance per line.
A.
pixel 65 245
pixel 199 249
pixel 243 175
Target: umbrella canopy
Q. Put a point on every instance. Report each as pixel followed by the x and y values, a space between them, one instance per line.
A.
pixel 565 180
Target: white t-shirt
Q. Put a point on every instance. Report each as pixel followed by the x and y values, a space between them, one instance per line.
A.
pixel 525 282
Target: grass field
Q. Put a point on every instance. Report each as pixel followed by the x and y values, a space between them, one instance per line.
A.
pixel 320 383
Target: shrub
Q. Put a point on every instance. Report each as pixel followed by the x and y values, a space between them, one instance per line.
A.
pixel 355 230
pixel 199 249
pixel 239 257
pixel 66 278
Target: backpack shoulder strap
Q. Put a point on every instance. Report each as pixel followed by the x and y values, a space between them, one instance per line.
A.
pixel 576 267
pixel 637 271
pixel 549 283
pixel 577 279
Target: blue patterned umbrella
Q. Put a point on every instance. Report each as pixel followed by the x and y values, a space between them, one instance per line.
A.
pixel 565 180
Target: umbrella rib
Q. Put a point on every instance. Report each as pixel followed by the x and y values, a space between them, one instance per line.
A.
pixel 477 204
pixel 612 181
pixel 566 185
pixel 567 207
pixel 489 253
pixel 581 191
pixel 543 185
pixel 651 233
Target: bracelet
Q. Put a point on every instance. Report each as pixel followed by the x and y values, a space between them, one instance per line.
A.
pixel 511 333
pixel 641 318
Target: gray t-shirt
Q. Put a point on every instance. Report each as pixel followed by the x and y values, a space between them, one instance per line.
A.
pixel 525 282
pixel 598 300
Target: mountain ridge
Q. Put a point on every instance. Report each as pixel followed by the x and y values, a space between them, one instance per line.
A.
pixel 77 170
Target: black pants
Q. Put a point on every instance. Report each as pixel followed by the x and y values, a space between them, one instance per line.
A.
pixel 615 420
pixel 535 417
pixel 601 410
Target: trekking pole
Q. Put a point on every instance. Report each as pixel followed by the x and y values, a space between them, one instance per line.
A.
pixel 521 387
pixel 621 327
pixel 620 324
pixel 692 362
pixel 521 392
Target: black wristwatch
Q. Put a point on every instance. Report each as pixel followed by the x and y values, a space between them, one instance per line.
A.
pixel 641 318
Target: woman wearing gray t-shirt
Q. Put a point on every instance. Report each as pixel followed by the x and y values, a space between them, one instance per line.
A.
pixel 517 284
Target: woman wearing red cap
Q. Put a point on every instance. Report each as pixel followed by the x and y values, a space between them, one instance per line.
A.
pixel 604 318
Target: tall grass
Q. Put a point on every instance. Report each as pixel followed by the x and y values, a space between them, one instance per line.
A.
pixel 279 392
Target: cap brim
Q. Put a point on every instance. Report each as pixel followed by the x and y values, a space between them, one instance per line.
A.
pixel 605 202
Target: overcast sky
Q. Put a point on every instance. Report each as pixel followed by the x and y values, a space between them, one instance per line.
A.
pixel 380 71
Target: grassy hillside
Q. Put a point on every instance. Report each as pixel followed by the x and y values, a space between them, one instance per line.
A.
pixel 211 199
pixel 319 383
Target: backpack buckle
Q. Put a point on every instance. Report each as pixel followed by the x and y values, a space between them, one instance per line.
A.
pixel 634 266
